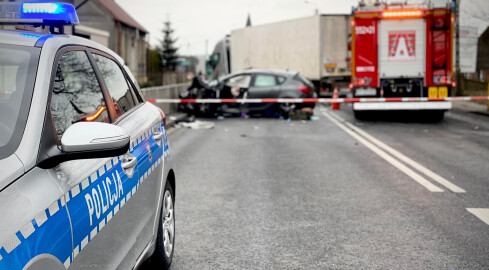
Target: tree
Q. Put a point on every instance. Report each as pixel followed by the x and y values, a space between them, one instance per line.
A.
pixel 154 60
pixel 168 49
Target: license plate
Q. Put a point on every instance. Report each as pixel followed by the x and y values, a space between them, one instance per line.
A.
pixel 432 92
pixel 366 92
pixel 443 92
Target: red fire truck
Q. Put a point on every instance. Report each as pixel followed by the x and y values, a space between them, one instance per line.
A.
pixel 401 50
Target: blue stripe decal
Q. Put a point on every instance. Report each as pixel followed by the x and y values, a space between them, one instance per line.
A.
pixel 92 203
pixel 53 237
pixel 97 204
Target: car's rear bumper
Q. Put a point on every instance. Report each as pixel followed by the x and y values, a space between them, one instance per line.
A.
pixel 384 106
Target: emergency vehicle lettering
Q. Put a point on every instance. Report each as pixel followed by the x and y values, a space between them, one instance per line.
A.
pixel 365 30
pixel 96 200
pixel 109 190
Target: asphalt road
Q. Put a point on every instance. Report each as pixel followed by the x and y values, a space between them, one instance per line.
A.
pixel 268 194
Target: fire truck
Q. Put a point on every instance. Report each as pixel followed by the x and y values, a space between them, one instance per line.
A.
pixel 402 51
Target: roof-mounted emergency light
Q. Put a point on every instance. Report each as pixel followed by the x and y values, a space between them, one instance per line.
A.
pixel 38 14
pixel 402 14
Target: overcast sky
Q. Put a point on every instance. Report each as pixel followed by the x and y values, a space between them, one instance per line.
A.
pixel 196 21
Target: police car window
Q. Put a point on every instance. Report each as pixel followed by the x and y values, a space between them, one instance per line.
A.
pixel 116 84
pixel 16 63
pixel 263 80
pixel 77 95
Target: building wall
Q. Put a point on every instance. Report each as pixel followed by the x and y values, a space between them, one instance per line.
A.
pixel 131 45
pixel 92 15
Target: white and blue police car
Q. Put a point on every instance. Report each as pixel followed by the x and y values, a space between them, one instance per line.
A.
pixel 86 180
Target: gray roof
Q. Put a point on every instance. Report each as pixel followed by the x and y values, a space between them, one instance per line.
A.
pixel 25 38
pixel 22 38
pixel 269 71
pixel 120 14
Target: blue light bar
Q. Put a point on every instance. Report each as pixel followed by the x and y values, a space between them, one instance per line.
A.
pixel 50 8
pixel 50 14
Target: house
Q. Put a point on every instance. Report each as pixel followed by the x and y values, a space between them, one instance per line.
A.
pixel 106 22
pixel 483 56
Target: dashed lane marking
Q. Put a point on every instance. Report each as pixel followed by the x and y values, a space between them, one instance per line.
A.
pixel 394 162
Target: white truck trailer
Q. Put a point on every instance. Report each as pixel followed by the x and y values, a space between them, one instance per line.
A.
pixel 316 46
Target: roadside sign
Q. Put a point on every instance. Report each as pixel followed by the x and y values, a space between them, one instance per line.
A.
pixel 468 52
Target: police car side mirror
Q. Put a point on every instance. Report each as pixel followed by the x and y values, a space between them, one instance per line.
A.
pixel 85 140
pixel 94 137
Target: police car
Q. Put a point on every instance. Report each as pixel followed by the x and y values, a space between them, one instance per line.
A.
pixel 86 180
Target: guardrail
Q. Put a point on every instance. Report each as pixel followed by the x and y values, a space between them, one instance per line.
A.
pixel 165 92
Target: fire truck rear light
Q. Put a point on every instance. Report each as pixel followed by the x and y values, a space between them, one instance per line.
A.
pixel 402 14
pixel 442 79
pixel 361 81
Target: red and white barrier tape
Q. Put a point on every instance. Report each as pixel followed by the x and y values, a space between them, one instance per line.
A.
pixel 317 100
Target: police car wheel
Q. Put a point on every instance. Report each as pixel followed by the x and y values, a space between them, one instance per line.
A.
pixel 166 232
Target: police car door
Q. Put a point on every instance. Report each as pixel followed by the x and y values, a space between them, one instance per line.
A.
pixel 136 221
pixel 97 188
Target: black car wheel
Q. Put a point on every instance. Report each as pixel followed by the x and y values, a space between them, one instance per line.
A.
pixel 286 109
pixel 163 254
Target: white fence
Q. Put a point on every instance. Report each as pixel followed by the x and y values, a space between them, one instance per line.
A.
pixel 165 92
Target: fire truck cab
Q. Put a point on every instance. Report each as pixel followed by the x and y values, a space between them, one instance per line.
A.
pixel 402 51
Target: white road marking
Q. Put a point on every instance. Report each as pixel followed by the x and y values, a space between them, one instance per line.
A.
pixel 416 177
pixel 439 179
pixel 481 213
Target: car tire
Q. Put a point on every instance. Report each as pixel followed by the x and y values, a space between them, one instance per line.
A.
pixel 165 242
pixel 285 109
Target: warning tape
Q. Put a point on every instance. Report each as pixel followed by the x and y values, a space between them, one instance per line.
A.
pixel 318 100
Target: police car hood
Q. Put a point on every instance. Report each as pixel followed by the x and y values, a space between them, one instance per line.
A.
pixel 11 168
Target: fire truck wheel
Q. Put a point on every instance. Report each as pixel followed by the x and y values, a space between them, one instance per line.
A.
pixel 360 115
pixel 437 116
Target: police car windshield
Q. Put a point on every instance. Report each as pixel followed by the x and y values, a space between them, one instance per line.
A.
pixel 17 73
